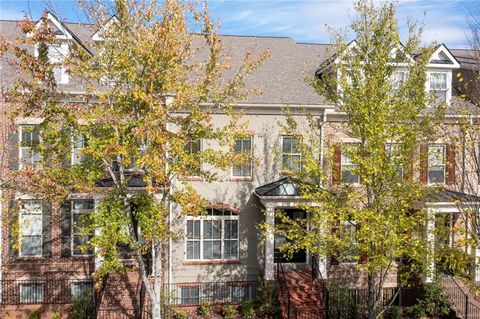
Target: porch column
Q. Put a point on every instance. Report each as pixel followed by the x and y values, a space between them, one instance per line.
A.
pixel 430 245
pixel 269 243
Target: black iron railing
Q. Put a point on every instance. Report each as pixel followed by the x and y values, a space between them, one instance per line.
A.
pixel 460 300
pixel 188 294
pixel 50 291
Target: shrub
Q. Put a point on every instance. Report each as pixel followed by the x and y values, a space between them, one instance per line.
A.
pixel 247 309
pixel 229 312
pixel 181 314
pixel 433 303
pixel 34 315
pixel 393 312
pixel 266 300
pixel 81 307
pixel 204 310
pixel 57 315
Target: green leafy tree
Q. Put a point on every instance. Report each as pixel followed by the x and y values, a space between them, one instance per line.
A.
pixel 376 221
pixel 148 92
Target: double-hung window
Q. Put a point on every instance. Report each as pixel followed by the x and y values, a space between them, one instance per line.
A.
pixel 436 163
pixel 31 228
pixel 80 237
pixel 348 167
pixel 194 165
pixel 243 146
pixel 29 141
pixel 438 85
pixel 291 153
pixel 31 292
pixel 214 236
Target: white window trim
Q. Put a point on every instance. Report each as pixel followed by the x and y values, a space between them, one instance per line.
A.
pixel 72 236
pixel 222 239
pixel 21 236
pixel 290 154
pixel 21 163
pixel 444 164
pixel 251 161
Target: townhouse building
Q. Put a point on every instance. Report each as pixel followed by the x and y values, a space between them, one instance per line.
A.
pixel 223 253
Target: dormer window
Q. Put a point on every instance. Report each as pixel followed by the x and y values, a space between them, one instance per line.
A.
pixel 438 85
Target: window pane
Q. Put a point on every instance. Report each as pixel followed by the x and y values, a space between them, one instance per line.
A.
pixel 240 293
pixel 212 229
pixel 189 295
pixel 231 229
pixel 230 249
pixel 193 249
pixel 287 144
pixel 31 245
pixel 81 290
pixel 436 174
pixel 31 293
pixel 348 175
pixel 212 249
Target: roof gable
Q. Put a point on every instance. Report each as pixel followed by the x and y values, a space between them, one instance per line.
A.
pixel 443 58
pixel 97 36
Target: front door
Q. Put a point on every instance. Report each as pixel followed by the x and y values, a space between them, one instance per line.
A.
pixel 299 256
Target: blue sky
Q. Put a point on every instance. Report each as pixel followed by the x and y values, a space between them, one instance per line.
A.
pixel 305 21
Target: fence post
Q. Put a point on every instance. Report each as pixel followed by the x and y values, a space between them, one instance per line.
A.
pixel 466 306
pixel 400 296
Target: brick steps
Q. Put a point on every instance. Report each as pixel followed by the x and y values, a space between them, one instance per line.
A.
pixel 306 300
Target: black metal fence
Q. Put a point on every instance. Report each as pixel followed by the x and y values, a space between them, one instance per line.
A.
pixel 51 291
pixel 353 303
pixel 188 294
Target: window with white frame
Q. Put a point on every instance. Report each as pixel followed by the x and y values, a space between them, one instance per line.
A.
pixel 31 228
pixel 29 140
pixel 31 292
pixel 78 145
pixel 243 146
pixel 438 85
pixel 398 78
pixel 81 289
pixel 190 295
pixel 348 167
pixel 436 163
pixel 80 239
pixel 194 165
pixel 214 236
pixel 291 153
pixel 394 154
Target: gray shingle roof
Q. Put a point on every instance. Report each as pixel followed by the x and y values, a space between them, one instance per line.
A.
pixel 282 79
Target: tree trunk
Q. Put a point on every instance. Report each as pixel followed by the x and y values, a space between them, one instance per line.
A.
pixel 156 301
pixel 372 314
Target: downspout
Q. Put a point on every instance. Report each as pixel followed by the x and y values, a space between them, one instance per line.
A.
pixel 320 122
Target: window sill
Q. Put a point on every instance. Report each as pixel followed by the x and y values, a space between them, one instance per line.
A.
pixel 212 262
pixel 240 179
pixel 192 179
